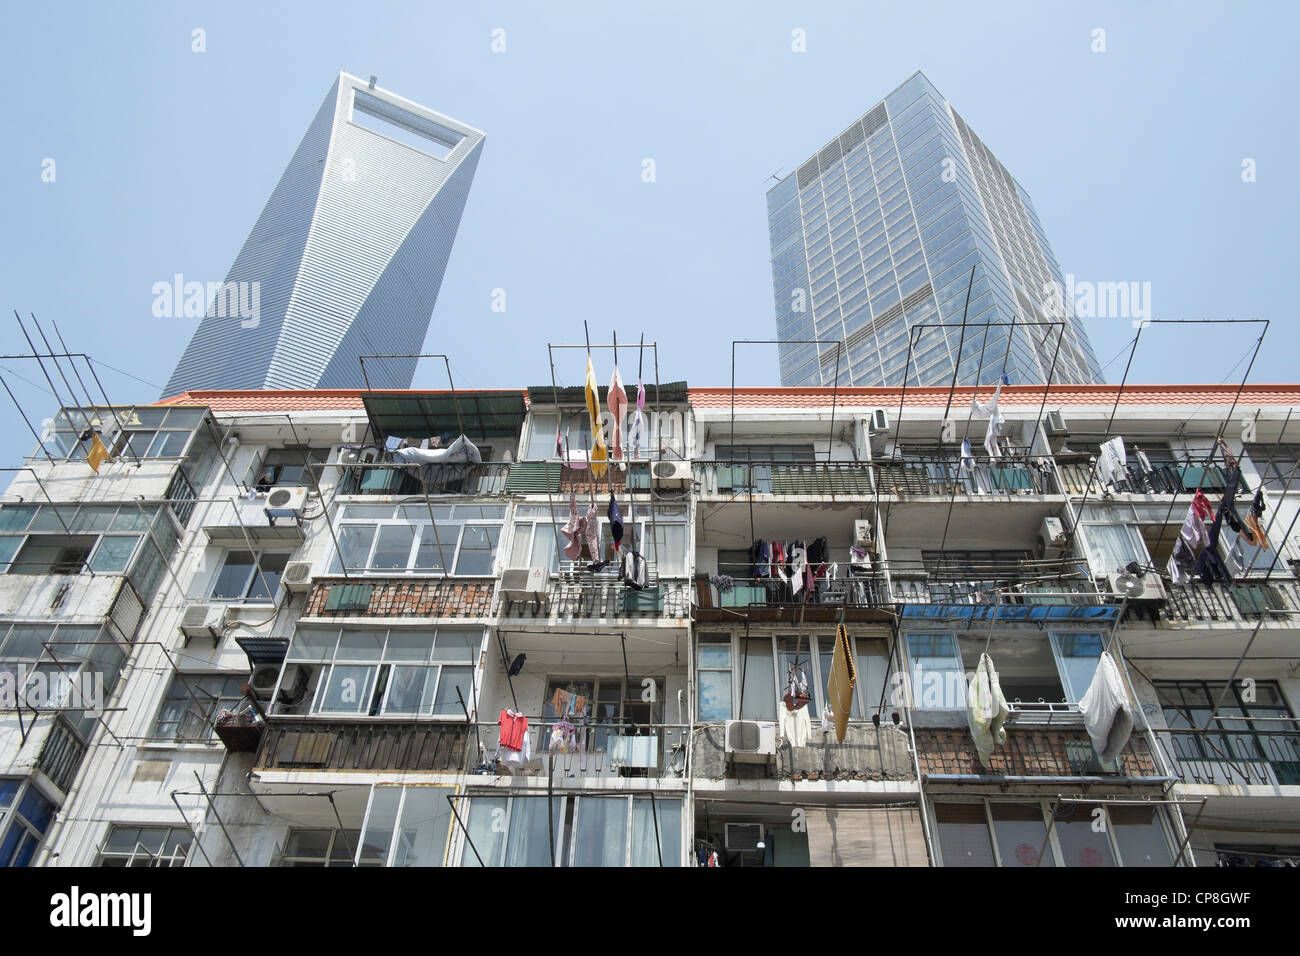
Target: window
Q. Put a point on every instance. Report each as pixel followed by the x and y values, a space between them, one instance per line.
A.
pixel 585 831
pixel 1258 742
pixel 67 539
pixel 319 848
pixel 1114 544
pixel 25 815
pixel 758 667
pixel 192 704
pixel 139 432
pixel 246 576
pixel 58 659
pixel 405 826
pixel 398 672
pixel 146 846
pixel 661 539
pixel 286 466
pixel 1029 833
pixel 421 134
pixel 612 705
pixel 401 539
pixel 1278 465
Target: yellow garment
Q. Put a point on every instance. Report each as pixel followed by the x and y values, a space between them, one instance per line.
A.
pixel 598 453
pixel 839 686
pixel 986 709
pixel 98 454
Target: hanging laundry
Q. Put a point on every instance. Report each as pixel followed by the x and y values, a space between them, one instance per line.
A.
pixel 514 760
pixel 1182 563
pixel 559 437
pixel 839 686
pixel 761 554
pixel 986 709
pixel 560 701
pixel 1257 507
pixel 1193 530
pixel 794 726
pixel 828 720
pixel 599 455
pixel 990 410
pixel 1143 462
pixel 1107 713
pixel 617 401
pixel 615 523
pixel 723 582
pixel 574 530
pixel 517 665
pixel 514 729
pixel 592 533
pixel 638 420
pixel 1201 505
pixel 1256 535
pixel 967 464
pixel 631 570
pixel 98 454
pixel 798 565
pixel 1111 464
pixel 563 737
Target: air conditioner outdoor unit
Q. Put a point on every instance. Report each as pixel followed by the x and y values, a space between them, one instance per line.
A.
pixel 297 577
pixel 744 836
pixel 285 501
pixel 751 741
pixel 878 423
pixel 1057 431
pixel 263 680
pixel 204 620
pixel 1051 538
pixel 523 584
pixel 670 474
pixel 1140 589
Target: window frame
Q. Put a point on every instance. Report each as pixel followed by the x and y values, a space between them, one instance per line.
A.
pixel 13 818
pixel 253 579
pixel 184 680
pixel 154 862
pixel 452 553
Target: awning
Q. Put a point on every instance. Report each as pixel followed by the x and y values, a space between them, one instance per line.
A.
pixel 880 836
pixel 284 530
pixel 263 650
pixel 481 415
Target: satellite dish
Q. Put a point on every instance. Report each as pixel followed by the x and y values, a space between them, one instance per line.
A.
pixel 1129 585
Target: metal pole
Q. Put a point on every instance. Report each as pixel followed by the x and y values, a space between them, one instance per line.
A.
pixel 213 807
pixel 194 833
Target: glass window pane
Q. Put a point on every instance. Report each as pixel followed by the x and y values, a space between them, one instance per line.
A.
pixel 360 646
pixel 447 702
pixel 1021 834
pixel 601 836
pixel 758 677
pixel 231 581
pixel 424 828
pixel 437 546
pixel 406 645
pixel 1140 836
pixel 456 646
pixel 528 843
pixel 937 681
pixel 393 547
pixel 348 689
pixel 310 644
pixel 1080 654
pixel 478 549
pixel 667 814
pixel 272 567
pixel 378 835
pixel 963 834
pixel 487 832
pixel 409 690
pixel 114 553
pixel 354 544
pixel 1080 829
pixel 715 695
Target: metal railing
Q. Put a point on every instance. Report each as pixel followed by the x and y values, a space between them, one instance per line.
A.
pixel 731 478
pixel 594 750
pixel 1232 757
pixel 1031 751
pixel 1016 473
pixel 1164 479
pixel 386 477
pixel 574 592
pixel 1048 581
pixel 61 754
pixel 297 744
pixel 181 497
pixel 1243 601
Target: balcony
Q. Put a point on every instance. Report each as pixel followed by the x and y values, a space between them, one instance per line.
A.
pixel 486 479
pixel 1016 474
pixel 1075 471
pixel 378 746
pixel 61 754
pixel 400 597
pixel 859 597
pixel 1026 582
pixel 1243 602
pixel 869 753
pixel 1235 757
pixel 575 593
pixel 598 753
pixel 948 755
pixel 730 479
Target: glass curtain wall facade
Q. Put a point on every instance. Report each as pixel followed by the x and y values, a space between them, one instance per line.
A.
pixel 876 235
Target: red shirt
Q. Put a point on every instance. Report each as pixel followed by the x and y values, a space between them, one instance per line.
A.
pixel 513 727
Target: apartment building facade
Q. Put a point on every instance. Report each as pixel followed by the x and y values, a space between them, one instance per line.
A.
pixel 318 637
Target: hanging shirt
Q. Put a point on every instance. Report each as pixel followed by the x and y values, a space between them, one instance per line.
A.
pixel 574 530
pixel 1194 531
pixel 598 454
pixel 514 729
pixel 794 726
pixel 592 533
pixel 615 522
pixel 617 401
pixel 990 410
pixel 638 420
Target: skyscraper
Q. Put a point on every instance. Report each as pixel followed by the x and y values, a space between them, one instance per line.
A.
pixel 347 256
pixel 876 234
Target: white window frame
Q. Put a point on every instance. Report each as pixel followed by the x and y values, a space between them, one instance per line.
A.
pixel 451 552
pixel 253 578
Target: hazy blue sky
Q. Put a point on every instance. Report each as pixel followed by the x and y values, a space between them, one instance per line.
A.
pixel 164 158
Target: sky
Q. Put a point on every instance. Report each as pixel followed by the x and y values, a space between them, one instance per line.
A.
pixel 1136 156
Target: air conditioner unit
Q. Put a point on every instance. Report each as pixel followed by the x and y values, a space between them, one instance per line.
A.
pixel 204 620
pixel 878 423
pixel 752 741
pixel 297 577
pixel 744 836
pixel 1051 538
pixel 285 501
pixel 670 474
pixel 1140 589
pixel 263 680
pixel 1055 428
pixel 523 584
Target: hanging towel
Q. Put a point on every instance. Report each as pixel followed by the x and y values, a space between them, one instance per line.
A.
pixel 638 421
pixel 598 453
pixel 990 410
pixel 839 685
pixel 794 726
pixel 1107 713
pixel 986 709
pixel 574 529
pixel 617 401
pixel 615 522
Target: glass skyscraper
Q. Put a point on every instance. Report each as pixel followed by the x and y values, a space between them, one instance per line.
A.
pixel 347 256
pixel 876 235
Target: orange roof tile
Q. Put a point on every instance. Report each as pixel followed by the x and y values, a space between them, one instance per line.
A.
pixel 1058 395
pixel 297 399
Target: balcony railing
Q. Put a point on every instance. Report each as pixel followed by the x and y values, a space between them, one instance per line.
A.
pixel 1268 757
pixel 1166 479
pixel 1021 582
pixel 341 745
pixel 595 750
pixel 394 478
pixel 1240 602
pixel 62 754
pixel 834 478
pixel 577 593
pixel 1030 752
pixel 945 475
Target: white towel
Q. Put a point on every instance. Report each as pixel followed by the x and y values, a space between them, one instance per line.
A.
pixel 1107 713
pixel 987 709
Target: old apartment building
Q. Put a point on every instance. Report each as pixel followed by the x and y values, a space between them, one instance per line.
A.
pixel 312 640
